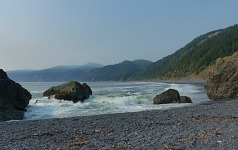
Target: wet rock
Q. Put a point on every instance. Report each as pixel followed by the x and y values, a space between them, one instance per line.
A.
pixel 13 98
pixel 185 99
pixel 3 75
pixel 10 114
pixel 169 96
pixel 71 91
pixel 86 91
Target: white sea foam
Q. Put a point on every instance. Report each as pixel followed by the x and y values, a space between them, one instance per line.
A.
pixel 108 97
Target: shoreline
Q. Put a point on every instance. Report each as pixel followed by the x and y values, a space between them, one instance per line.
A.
pixel 146 104
pixel 194 82
pixel 212 125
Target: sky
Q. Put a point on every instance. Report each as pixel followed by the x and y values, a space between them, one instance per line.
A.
pixel 38 34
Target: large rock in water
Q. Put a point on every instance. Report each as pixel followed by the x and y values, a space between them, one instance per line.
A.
pixel 171 96
pixel 13 99
pixel 71 91
pixel 223 82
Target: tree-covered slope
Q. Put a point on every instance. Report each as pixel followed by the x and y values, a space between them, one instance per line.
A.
pixel 194 57
pixel 118 72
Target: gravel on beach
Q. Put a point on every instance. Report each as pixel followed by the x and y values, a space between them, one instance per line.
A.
pixel 211 125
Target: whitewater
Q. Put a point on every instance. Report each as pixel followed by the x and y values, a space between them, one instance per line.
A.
pixel 107 98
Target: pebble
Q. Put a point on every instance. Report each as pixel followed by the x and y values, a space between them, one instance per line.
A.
pixel 219 142
pixel 195 127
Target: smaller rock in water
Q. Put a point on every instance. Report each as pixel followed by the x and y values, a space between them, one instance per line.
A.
pixel 171 96
pixel 185 99
pixel 71 91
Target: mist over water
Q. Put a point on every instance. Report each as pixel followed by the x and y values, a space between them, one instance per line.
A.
pixel 107 98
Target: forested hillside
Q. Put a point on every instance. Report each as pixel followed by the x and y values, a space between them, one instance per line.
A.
pixel 117 72
pixel 194 57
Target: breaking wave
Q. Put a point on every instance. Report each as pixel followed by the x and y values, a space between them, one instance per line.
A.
pixel 107 98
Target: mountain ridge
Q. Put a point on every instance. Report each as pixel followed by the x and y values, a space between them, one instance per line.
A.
pixel 55 73
pixel 88 72
pixel 117 72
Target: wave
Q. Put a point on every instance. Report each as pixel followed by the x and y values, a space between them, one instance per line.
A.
pixel 109 98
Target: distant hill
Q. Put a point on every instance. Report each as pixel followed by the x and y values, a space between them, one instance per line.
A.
pixel 118 72
pixel 194 58
pixel 57 73
pixel 88 72
pixel 19 75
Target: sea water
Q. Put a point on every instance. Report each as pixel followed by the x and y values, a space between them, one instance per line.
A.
pixel 107 98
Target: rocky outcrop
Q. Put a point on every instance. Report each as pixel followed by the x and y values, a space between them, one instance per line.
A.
pixel 171 96
pixel 71 91
pixel 223 81
pixel 13 99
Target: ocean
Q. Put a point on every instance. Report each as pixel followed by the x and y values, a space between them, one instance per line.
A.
pixel 107 98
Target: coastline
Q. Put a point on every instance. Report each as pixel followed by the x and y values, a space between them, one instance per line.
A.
pixel 212 125
pixel 195 82
pixel 116 98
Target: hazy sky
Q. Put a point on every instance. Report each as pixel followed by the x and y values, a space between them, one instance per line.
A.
pixel 36 34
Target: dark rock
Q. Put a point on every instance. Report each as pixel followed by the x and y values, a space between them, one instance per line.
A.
pixel 71 91
pixel 9 114
pixel 3 75
pixel 169 96
pixel 185 99
pixel 86 91
pixel 13 98
pixel 223 82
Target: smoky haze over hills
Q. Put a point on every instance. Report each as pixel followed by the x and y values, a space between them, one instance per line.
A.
pixel 188 61
pixel 53 74
pixel 88 72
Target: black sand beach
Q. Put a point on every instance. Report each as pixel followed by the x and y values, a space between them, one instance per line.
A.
pixel 212 125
